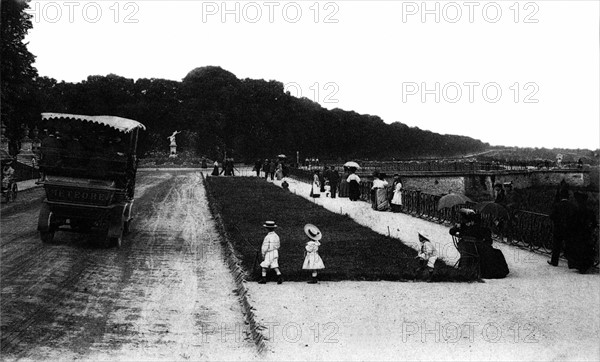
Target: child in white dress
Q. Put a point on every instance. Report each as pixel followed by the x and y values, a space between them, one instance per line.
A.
pixel 428 255
pixel 312 260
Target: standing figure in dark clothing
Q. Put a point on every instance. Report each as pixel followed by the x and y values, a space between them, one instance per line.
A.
pixel 580 253
pixel 257 167
pixel 230 167
pixel 353 185
pixel 563 216
pixel 285 170
pixel 322 177
pixel 215 169
pixel 272 168
pixel 266 168
pixel 334 180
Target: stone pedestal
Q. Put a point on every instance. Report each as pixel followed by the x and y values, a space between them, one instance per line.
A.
pixel 26 155
pixel 173 151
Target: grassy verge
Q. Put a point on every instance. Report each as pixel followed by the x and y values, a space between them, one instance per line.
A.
pixel 350 251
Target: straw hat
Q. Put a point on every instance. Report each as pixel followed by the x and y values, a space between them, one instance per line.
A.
pixel 312 232
pixel 270 224
pixel 424 235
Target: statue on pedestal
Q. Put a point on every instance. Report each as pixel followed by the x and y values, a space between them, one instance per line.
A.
pixel 173 144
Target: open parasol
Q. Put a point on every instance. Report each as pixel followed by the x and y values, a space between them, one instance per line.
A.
pixel 281 156
pixel 352 164
pixel 451 200
pixel 494 209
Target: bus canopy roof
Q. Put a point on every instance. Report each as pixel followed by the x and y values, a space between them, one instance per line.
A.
pixel 121 124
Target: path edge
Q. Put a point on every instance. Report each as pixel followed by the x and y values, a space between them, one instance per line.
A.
pixel 238 273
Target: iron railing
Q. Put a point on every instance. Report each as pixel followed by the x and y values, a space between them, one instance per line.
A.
pixel 441 166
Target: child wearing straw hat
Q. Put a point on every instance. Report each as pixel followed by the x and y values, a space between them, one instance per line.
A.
pixel 428 255
pixel 270 253
pixel 312 260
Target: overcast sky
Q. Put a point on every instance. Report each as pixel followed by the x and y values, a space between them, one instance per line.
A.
pixel 509 73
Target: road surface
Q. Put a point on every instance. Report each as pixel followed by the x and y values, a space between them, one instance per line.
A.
pixel 163 296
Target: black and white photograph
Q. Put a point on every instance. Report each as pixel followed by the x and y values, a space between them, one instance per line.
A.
pixel 307 180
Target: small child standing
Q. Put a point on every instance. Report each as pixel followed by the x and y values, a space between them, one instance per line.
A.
pixel 270 253
pixel 427 256
pixel 312 260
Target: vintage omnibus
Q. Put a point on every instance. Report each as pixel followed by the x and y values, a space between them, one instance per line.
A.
pixel 88 168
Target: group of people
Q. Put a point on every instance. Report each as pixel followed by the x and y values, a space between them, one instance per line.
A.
pixel 313 262
pixel 325 183
pixel 328 183
pixel 507 195
pixel 381 197
pixel 270 253
pixel 477 255
pixel 227 169
pixel 276 169
pixel 384 198
pixel 573 226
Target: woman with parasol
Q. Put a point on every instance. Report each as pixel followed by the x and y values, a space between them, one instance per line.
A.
pixel 353 181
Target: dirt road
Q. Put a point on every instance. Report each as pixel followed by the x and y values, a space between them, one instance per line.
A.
pixel 165 295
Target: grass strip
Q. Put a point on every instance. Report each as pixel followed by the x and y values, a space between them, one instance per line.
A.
pixel 349 251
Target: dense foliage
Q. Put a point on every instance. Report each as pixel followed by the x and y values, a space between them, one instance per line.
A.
pixel 247 118
pixel 16 70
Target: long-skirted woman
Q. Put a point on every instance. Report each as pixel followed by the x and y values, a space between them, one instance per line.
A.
pixel 353 185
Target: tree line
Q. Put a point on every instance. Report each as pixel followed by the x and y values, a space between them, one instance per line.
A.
pixel 247 118
pixel 217 112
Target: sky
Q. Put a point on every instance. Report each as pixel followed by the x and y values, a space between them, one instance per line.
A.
pixel 512 73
